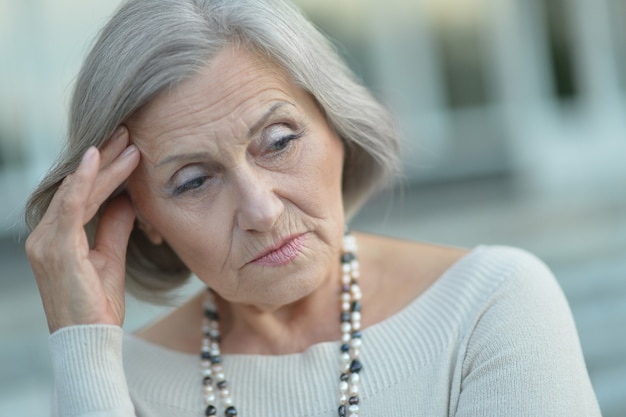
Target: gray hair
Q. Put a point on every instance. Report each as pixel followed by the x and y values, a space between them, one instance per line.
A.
pixel 149 46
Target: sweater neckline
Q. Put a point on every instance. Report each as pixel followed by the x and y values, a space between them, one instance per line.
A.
pixel 377 329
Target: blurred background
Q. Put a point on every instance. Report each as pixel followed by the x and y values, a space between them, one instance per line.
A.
pixel 513 115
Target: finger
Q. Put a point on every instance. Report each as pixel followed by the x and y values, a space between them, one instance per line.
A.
pixel 110 179
pixel 68 204
pixel 113 147
pixel 114 228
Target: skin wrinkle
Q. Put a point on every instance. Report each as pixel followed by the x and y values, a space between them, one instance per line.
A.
pixel 269 194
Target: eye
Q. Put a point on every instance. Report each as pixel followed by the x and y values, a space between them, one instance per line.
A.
pixel 278 138
pixel 190 185
pixel 190 178
pixel 282 143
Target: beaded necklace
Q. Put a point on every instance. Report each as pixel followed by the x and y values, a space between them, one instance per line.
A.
pixel 214 379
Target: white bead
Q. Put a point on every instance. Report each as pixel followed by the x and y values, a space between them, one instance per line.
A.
pixel 356 316
pixel 345 357
pixel 224 393
pixel 354 390
pixel 349 243
pixel 210 398
pixel 354 378
pixel 208 389
pixel 345 297
pixel 345 338
pixel 346 279
pixel 345 306
pixel 345 327
pixel 345 268
pixel 356 325
pixel 345 367
pixel 220 376
pixel 354 264
pixel 343 398
pixel 353 408
pixel 207 372
pixel 228 401
pixel 356 353
pixel 356 274
pixel 354 289
pixel 356 296
pixel 343 386
pixel 356 342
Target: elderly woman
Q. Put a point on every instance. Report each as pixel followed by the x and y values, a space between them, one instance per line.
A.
pixel 225 138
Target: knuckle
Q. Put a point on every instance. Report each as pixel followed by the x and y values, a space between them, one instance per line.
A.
pixel 69 204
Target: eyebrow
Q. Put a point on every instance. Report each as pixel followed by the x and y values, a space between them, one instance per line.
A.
pixel 256 126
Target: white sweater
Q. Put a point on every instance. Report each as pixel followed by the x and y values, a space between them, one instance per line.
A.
pixel 494 336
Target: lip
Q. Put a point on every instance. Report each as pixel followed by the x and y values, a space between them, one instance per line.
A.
pixel 283 253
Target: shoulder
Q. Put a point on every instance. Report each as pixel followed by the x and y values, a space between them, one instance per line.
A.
pixel 519 334
pixel 398 272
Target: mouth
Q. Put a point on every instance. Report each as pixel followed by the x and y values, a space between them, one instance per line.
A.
pixel 281 254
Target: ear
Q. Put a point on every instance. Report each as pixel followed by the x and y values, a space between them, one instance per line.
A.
pixel 151 233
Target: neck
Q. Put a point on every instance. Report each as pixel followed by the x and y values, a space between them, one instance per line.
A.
pixel 276 330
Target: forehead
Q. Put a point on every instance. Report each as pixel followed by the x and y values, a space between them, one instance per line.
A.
pixel 234 85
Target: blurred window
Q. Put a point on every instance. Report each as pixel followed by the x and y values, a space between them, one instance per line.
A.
pixel 618 27
pixel 561 48
pixel 459 30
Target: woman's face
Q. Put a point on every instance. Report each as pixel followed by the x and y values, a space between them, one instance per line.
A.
pixel 241 174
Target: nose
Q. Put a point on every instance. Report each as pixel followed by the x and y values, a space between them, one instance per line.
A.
pixel 259 207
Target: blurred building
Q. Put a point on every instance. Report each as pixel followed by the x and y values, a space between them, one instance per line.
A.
pixel 532 92
pixel 531 89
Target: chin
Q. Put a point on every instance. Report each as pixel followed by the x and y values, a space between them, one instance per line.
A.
pixel 275 288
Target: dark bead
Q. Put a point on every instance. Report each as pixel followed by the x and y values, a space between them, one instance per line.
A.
pixel 346 258
pixel 353 400
pixel 345 288
pixel 211 314
pixel 356 334
pixel 216 359
pixel 210 411
pixel 356 306
pixel 205 355
pixel 222 384
pixel 230 411
pixel 342 410
pixel 207 380
pixel 356 366
pixel 345 316
pixel 345 347
pixel 344 377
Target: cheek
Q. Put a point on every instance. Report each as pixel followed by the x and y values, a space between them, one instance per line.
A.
pixel 197 237
pixel 318 177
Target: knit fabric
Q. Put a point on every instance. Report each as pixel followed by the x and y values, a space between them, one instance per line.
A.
pixel 493 336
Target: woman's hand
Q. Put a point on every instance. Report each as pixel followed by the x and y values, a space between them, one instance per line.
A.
pixel 79 284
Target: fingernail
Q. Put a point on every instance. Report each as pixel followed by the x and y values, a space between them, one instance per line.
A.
pixel 128 151
pixel 89 154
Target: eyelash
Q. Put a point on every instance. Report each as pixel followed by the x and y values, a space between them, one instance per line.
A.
pixel 282 143
pixel 278 146
pixel 191 185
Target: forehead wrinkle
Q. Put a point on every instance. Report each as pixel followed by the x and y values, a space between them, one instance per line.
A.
pixel 240 99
